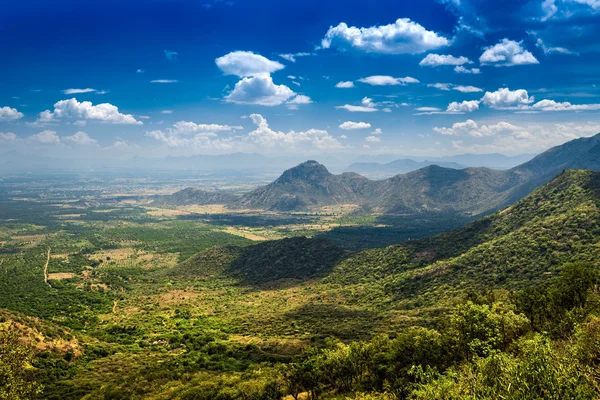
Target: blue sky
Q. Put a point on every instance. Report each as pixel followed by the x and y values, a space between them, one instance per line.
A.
pixel 438 77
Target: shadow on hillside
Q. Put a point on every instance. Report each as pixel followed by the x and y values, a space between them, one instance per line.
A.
pixel 282 263
pixel 394 229
pixel 326 320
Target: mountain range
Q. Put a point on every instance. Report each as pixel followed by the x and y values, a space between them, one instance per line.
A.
pixel 403 166
pixel 467 191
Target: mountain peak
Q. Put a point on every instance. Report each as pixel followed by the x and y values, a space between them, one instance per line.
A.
pixel 309 171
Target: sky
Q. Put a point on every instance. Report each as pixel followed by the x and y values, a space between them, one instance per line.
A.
pixel 162 78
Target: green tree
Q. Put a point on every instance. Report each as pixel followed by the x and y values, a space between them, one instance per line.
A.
pixel 16 381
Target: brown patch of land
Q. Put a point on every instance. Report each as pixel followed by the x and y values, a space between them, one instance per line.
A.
pixel 60 275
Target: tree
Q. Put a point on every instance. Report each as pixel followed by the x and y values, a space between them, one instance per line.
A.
pixel 16 382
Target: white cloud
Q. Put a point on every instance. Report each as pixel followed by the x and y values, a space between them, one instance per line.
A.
pixel 166 112
pixel 199 141
pixel 8 137
pixel 343 137
pixel 85 110
pixel 459 69
pixel 549 9
pixel 386 109
pixel 450 86
pixel 595 4
pixel 80 138
pixel 373 139
pixel 139 71
pixel 292 57
pixel 246 63
pixel 385 80
pixel 164 81
pixel 467 89
pixel 259 90
pixel 551 105
pixel 507 53
pixel 77 91
pixel 435 60
pixel 505 98
pixel 551 50
pixel 463 107
pixel 349 125
pixel 45 137
pixel 440 86
pixel 345 85
pixel 187 127
pixel 300 99
pixel 352 108
pixel 377 131
pixel 264 137
pixel 367 102
pixel 507 138
pixel 402 37
pixel 9 114
pixel 427 109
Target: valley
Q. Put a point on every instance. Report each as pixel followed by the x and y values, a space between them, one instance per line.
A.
pixel 124 291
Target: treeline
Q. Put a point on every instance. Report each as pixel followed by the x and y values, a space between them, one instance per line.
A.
pixel 539 343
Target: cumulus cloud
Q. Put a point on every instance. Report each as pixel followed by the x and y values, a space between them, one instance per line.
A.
pixel 349 125
pixel 402 37
pixel 373 139
pixel 471 128
pixel 85 110
pixel 292 57
pixel 507 137
pixel 80 138
pixel 77 91
pixel 551 105
pixel 247 63
pixel 300 99
pixel 345 85
pixel 506 98
pixel 507 53
pixel 385 80
pixel 45 137
pixel 259 90
pixel 463 107
pixel 377 131
pixel 459 69
pixel 9 114
pixel 264 137
pixel 435 60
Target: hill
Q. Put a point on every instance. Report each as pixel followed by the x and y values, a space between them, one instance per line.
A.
pixel 403 166
pixel 308 185
pixel 469 191
pixel 190 196
pixel 517 247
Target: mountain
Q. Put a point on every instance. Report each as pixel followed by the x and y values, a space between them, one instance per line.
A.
pixel 469 191
pixel 494 160
pixel 193 196
pixel 308 185
pixel 514 248
pixel 378 171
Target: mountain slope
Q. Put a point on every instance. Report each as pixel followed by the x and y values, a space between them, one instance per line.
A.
pixel 403 166
pixel 194 196
pixel 307 185
pixel 470 191
pixel 513 248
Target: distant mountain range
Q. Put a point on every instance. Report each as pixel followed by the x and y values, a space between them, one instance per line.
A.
pixel 403 166
pixel 470 191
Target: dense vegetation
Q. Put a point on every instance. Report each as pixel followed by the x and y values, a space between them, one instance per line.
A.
pixel 111 301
